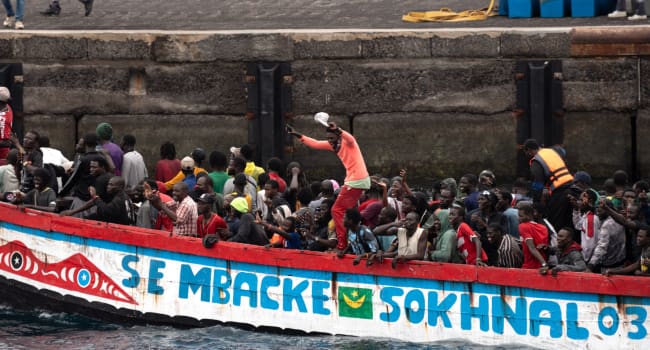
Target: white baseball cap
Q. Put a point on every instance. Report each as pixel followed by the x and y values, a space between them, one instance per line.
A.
pixel 5 95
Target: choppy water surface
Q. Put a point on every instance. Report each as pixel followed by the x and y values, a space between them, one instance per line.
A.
pixel 43 330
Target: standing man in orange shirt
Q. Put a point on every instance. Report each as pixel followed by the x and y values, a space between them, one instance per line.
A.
pixel 356 179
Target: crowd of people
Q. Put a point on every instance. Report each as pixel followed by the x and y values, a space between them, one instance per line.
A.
pixel 555 221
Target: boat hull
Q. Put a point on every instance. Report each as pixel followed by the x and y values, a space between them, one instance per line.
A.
pixel 127 274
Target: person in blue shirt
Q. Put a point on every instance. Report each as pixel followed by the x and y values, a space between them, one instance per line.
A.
pixel 287 229
pixel 361 240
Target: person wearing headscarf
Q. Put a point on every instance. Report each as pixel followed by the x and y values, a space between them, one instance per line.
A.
pixel 446 245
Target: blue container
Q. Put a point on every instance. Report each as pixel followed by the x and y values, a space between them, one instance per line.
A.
pixel 591 8
pixel 523 8
pixel 503 7
pixel 554 8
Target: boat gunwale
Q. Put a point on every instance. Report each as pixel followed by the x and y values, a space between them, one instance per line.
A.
pixel 575 282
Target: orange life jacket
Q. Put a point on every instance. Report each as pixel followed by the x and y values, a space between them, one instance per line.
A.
pixel 555 169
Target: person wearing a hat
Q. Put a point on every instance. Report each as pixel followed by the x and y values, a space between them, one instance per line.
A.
pixel 357 178
pixel 6 124
pixel 249 231
pixel 486 180
pixel 104 136
pixel 251 169
pixel 208 221
pixel 188 168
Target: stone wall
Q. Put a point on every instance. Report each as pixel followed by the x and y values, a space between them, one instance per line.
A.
pixel 436 102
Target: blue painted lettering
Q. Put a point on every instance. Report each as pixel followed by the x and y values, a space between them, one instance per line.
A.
pixel 440 310
pixel 518 319
pixel 608 329
pixel 189 280
pixel 319 298
pixel 220 284
pixel 545 313
pixel 292 293
pixel 573 329
pixel 467 312
pixel 265 300
pixel 414 314
pixel 134 280
pixel 154 276
pixel 238 292
pixel 386 295
pixel 641 314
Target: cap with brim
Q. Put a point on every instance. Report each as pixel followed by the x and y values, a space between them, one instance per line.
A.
pixel 206 198
pixel 5 95
pixel 187 163
pixel 240 204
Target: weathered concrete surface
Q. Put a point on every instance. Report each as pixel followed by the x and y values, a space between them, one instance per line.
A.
pixel 211 132
pixel 206 48
pixel 597 142
pixel 593 85
pixel 352 87
pixel 531 44
pixel 437 145
pixel 59 128
pixel 114 88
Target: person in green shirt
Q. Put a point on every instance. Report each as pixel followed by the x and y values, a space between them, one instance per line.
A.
pixel 218 174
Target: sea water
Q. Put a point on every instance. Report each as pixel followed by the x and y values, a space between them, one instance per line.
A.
pixel 38 329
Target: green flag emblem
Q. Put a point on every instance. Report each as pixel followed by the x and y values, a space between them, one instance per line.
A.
pixel 355 302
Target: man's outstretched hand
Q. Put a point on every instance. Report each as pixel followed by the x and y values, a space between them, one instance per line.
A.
pixel 292 131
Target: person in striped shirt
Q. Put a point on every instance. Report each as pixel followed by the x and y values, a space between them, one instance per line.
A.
pixel 509 252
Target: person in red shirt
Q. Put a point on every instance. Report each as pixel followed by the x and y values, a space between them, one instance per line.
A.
pixel 163 222
pixel 274 167
pixel 6 124
pixel 535 237
pixel 468 241
pixel 209 222
pixel 168 166
pixel 345 146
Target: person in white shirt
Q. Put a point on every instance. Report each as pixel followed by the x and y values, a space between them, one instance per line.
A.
pixel 134 169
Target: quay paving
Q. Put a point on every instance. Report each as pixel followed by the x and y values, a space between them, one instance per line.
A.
pixel 269 15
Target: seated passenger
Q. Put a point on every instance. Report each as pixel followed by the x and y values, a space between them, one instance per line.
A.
pixel 469 243
pixel 323 235
pixel 447 242
pixel 361 241
pixel 119 210
pixel 569 254
pixel 411 242
pixel 508 251
pixel 287 230
pixel 41 197
pixel 640 267
pixel 249 232
pixel 209 222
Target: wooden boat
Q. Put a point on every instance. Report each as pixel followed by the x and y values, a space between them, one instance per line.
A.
pixel 123 273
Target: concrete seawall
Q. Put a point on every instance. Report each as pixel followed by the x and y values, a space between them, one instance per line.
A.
pixel 438 102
